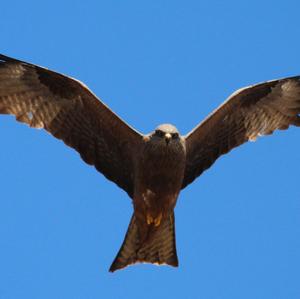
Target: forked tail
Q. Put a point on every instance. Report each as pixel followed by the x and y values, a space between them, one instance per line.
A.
pixel 159 249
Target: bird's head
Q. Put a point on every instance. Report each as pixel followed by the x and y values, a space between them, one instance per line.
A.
pixel 166 133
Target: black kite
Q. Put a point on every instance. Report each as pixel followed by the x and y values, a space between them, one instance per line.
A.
pixel 151 168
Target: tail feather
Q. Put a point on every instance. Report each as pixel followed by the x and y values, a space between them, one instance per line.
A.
pixel 159 249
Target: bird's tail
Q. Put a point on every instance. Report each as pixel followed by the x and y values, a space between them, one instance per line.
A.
pixel 159 248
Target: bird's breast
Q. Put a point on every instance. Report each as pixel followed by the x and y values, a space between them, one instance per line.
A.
pixel 160 171
pixel 158 181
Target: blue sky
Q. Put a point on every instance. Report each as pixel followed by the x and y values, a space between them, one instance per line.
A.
pixel 237 226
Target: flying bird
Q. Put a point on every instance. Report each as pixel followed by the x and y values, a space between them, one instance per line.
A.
pixel 151 168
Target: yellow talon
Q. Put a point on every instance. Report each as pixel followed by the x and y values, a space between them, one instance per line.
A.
pixel 149 219
pixel 158 220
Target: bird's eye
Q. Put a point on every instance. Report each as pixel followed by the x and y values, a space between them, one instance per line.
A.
pixel 175 135
pixel 159 133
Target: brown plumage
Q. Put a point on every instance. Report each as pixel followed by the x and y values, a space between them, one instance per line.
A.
pixel 151 168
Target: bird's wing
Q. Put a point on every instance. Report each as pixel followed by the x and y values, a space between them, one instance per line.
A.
pixel 71 112
pixel 248 113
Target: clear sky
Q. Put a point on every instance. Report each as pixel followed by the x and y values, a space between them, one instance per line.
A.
pixel 237 226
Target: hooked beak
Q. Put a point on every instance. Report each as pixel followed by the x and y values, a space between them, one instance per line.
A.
pixel 168 137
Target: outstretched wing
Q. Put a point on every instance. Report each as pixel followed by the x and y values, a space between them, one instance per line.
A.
pixel 71 112
pixel 248 113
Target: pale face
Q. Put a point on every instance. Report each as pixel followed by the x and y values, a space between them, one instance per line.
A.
pixel 167 133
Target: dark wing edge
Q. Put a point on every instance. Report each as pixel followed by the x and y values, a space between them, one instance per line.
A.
pixel 248 113
pixel 68 110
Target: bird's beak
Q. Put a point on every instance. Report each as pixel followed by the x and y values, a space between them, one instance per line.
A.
pixel 168 137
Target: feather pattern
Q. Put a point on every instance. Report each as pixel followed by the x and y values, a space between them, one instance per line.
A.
pixel 247 114
pixel 159 249
pixel 71 112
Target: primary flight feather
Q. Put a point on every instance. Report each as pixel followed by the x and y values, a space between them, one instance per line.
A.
pixel 151 168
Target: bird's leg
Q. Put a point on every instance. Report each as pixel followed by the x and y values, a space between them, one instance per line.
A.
pixel 156 221
pixel 149 219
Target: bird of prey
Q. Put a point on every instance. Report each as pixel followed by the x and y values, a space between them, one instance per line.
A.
pixel 151 168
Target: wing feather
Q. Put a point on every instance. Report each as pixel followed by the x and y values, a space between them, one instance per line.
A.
pixel 71 112
pixel 247 114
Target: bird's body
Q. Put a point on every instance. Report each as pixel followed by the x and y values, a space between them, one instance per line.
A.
pixel 158 180
pixel 160 171
pixel 152 168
